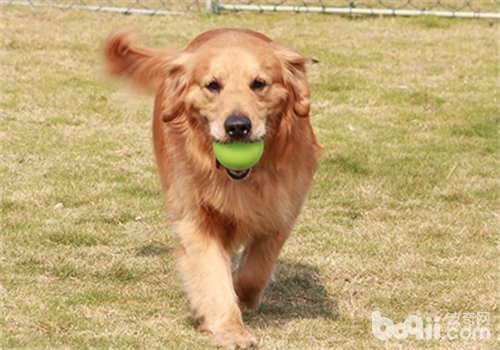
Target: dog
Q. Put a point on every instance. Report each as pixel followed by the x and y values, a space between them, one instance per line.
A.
pixel 227 85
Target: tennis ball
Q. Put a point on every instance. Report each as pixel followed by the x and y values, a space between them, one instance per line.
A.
pixel 238 156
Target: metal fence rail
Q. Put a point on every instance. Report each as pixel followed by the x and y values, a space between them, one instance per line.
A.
pixel 447 8
pixel 148 7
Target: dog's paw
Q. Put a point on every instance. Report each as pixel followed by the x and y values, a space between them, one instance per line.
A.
pixel 235 340
pixel 249 304
pixel 248 297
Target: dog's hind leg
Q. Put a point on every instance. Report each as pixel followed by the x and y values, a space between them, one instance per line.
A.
pixel 256 268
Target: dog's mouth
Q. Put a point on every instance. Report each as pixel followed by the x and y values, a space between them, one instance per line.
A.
pixel 238 175
pixel 233 174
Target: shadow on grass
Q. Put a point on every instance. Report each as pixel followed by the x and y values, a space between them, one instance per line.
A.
pixel 154 249
pixel 296 293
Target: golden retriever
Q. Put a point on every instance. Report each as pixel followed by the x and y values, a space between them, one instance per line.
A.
pixel 228 85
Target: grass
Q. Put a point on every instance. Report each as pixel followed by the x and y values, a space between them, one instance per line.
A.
pixel 402 218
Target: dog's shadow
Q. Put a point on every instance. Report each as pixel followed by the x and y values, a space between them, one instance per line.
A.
pixel 297 292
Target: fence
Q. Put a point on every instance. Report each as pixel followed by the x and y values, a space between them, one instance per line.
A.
pixel 446 8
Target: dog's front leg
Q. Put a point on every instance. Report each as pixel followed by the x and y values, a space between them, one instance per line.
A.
pixel 204 265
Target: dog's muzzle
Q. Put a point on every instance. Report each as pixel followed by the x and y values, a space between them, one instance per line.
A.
pixel 238 128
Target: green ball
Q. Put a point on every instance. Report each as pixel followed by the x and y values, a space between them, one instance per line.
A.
pixel 238 156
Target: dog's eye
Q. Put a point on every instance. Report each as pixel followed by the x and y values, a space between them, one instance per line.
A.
pixel 213 86
pixel 258 85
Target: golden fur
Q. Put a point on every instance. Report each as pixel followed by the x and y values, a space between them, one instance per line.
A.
pixel 212 214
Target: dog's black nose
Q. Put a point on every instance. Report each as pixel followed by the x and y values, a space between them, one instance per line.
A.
pixel 238 127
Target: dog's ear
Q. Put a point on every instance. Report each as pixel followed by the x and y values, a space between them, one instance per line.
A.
pixel 295 80
pixel 175 87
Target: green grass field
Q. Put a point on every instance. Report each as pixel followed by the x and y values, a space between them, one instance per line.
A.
pixel 403 217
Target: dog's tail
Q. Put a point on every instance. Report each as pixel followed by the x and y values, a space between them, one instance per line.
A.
pixel 144 67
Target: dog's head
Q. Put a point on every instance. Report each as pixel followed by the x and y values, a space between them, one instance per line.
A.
pixel 240 86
